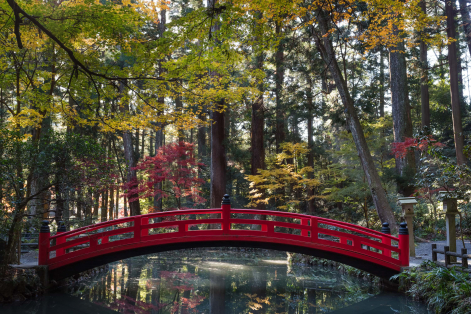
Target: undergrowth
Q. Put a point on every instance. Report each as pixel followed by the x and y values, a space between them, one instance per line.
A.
pixel 444 290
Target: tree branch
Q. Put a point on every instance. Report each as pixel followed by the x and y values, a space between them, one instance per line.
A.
pixel 17 10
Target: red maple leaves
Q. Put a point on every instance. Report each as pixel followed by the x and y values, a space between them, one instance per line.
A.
pixel 400 149
pixel 174 163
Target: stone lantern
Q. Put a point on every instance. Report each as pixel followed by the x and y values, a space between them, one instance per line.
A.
pixel 407 204
pixel 450 208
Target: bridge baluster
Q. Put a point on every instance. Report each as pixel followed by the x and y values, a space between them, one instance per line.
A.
pixel 145 232
pixel 305 222
pixel 137 228
pixel 60 240
pixel 314 231
pixel 386 240
pixel 404 244
pixel 43 245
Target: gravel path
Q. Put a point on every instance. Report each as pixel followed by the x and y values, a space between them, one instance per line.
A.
pixel 423 251
pixel 29 258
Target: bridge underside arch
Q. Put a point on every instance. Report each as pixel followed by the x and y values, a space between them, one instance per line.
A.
pixel 83 265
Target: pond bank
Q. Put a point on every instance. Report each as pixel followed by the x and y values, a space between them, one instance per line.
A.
pixel 445 290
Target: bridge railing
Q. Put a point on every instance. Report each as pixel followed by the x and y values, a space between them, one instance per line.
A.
pixel 306 230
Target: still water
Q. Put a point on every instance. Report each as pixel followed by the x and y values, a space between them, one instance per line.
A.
pixel 218 281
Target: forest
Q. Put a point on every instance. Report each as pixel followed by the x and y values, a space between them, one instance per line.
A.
pixel 332 108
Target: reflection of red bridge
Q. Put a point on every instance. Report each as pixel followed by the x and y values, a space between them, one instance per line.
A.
pixel 71 252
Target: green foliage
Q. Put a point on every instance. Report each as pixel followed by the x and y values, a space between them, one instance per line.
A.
pixel 444 290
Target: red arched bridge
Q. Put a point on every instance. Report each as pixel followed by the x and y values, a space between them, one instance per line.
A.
pixel 68 253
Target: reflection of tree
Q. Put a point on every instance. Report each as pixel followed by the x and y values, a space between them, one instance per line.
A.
pixel 311 301
pixel 168 284
pixel 280 288
pixel 217 292
pixel 259 289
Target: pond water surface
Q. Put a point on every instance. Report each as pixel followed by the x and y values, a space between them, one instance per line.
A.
pixel 218 281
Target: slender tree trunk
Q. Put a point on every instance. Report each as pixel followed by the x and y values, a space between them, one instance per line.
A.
pixel 159 138
pixel 125 209
pixel 143 143
pixel 111 210
pixel 159 134
pixel 381 82
pixel 117 202
pixel 179 109
pixel 401 112
pixel 378 193
pixel 202 137
pixel 79 204
pixel 424 94
pixel 280 116
pixel 104 205
pixel 454 88
pixel 310 144
pixel 96 204
pixel 131 161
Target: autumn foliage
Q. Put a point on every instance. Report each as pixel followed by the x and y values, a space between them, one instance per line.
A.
pixel 173 164
pixel 400 149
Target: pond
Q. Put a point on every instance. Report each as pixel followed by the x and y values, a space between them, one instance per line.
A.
pixel 231 280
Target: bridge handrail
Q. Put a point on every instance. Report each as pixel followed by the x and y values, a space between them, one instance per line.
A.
pixel 331 222
pixel 97 226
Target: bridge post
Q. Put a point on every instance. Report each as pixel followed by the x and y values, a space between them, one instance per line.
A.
pixel 386 240
pixel 404 244
pixel 226 214
pixel 43 245
pixel 60 240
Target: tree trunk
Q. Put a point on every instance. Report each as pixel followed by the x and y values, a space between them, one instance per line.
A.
pixel 179 109
pixel 111 210
pixel 117 202
pixel 378 194
pixel 310 144
pixel 130 157
pixel 466 21
pixel 159 138
pixel 202 137
pixel 218 152
pixel 159 134
pixel 104 205
pixel 218 158
pixel 454 88
pixel 401 113
pixel 280 117
pixel 257 159
pixel 381 82
pixel 424 94
pixel 96 204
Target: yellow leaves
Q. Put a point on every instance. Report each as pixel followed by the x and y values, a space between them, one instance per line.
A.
pixel 26 118
pixel 283 176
